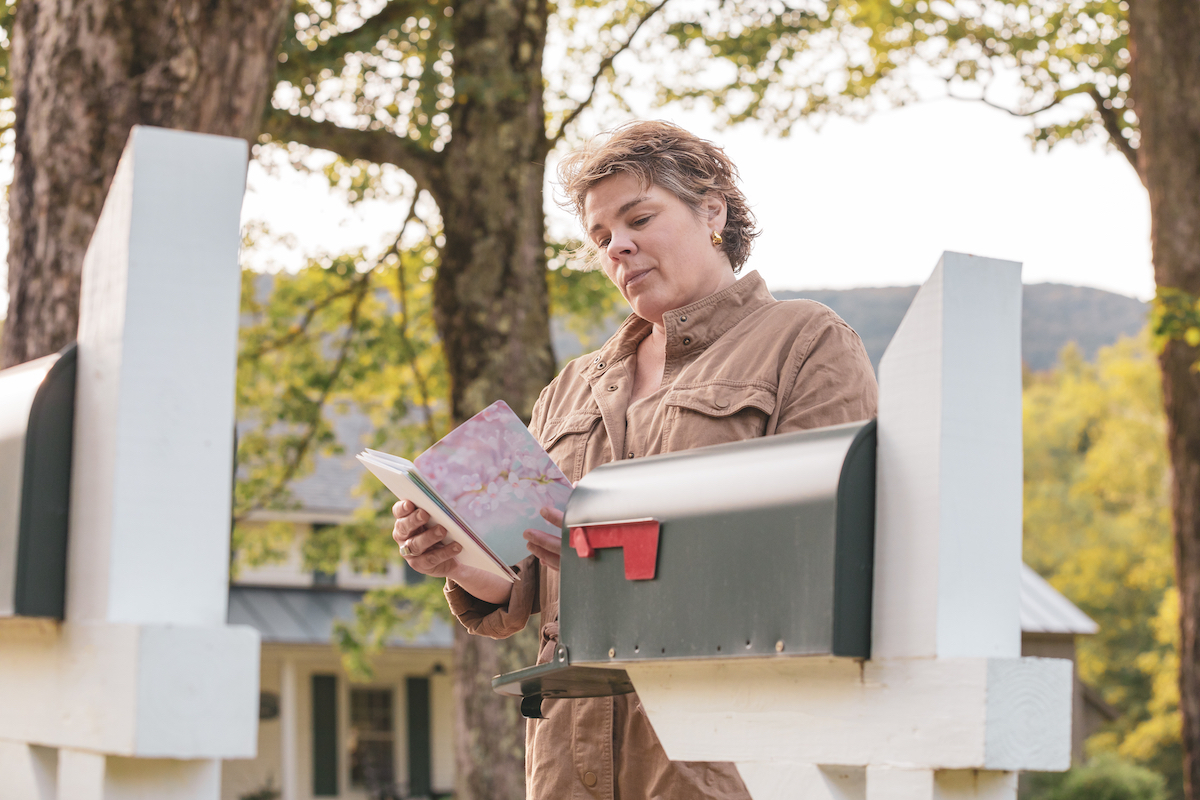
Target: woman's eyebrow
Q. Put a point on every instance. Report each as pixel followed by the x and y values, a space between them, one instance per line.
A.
pixel 623 209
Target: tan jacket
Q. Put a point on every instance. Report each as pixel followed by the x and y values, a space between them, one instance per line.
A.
pixel 740 364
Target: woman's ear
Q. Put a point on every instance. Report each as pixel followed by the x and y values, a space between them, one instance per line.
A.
pixel 714 211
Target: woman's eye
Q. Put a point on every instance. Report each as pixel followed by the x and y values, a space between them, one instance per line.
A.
pixel 641 221
pixel 603 243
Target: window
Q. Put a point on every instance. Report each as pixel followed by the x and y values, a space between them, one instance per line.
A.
pixel 372 739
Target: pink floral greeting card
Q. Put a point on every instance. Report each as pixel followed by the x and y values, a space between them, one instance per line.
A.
pixel 496 477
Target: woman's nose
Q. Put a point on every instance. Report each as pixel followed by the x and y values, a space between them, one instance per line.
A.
pixel 620 245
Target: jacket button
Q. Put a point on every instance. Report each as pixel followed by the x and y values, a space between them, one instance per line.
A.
pixel 722 404
pixel 687 340
pixel 599 365
pixel 631 455
pixel 683 318
pixel 589 779
pixel 612 388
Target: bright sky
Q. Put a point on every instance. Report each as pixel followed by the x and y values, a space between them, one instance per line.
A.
pixel 862 204
pixel 855 204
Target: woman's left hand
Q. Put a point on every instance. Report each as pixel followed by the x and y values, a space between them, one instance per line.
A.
pixel 547 546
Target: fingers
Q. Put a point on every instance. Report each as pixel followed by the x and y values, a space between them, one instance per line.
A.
pixel 552 515
pixel 416 536
pixel 547 541
pixel 436 558
pixel 546 546
pixel 408 522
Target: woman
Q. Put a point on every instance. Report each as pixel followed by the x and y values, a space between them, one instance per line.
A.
pixel 705 358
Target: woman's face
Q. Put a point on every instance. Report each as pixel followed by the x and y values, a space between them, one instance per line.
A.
pixel 653 247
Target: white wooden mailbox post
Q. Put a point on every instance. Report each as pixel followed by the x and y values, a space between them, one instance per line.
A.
pixel 945 707
pixel 143 688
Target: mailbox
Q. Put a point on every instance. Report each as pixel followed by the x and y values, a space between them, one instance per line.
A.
pixel 37 411
pixel 761 548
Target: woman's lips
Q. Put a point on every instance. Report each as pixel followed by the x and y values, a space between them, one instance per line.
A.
pixel 636 278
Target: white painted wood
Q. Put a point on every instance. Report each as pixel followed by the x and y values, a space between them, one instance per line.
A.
pixel 133 690
pixel 1029 716
pixel 154 421
pixel 145 687
pixel 28 772
pixel 154 779
pixel 922 712
pixel 781 780
pixel 948 546
pixel 886 782
pixel 975 785
pixel 197 692
pixel 288 722
pixel 80 775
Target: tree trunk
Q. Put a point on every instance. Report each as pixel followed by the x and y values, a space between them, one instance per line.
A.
pixel 492 311
pixel 85 72
pixel 1165 47
pixel 490 292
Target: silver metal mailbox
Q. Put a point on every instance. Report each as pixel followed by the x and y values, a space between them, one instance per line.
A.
pixel 37 412
pixel 753 549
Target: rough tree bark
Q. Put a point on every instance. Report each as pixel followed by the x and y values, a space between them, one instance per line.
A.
pixel 85 72
pixel 1165 49
pixel 492 314
pixel 490 298
pixel 492 311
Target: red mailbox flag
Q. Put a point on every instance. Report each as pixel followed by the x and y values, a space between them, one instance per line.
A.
pixel 637 537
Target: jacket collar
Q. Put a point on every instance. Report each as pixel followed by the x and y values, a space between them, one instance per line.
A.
pixel 691 328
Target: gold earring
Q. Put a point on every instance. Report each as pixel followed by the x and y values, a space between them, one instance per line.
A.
pixel 716 238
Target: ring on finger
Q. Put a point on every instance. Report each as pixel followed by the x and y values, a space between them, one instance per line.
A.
pixel 407 549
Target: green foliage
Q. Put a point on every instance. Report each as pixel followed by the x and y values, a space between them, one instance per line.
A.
pixel 267 792
pixel 780 63
pixel 395 612
pixel 1175 315
pixel 1105 777
pixel 342 332
pixel 1097 525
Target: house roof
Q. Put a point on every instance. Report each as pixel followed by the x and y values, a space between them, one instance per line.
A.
pixel 1044 610
pixel 285 615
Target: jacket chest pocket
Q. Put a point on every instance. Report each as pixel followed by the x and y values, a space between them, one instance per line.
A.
pixel 566 438
pixel 716 413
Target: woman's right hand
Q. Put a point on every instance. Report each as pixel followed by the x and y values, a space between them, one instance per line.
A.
pixel 429 554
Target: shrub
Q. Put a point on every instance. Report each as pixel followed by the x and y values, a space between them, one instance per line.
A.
pixel 1105 777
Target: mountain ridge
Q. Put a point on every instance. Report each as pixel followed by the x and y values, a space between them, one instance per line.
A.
pixel 1052 314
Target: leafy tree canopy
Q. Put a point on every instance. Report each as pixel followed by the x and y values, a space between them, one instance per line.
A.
pixel 1097 525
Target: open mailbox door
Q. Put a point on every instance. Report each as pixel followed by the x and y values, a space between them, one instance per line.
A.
pixel 752 549
pixel 37 412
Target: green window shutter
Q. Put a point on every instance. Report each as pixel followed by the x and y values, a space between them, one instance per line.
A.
pixel 324 735
pixel 420 761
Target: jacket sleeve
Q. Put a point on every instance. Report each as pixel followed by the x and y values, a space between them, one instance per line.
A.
pixel 831 380
pixel 493 621
pixel 488 619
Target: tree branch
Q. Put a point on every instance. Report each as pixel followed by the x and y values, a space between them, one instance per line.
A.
pixel 365 36
pixel 379 146
pixel 1058 98
pixel 301 328
pixel 410 351
pixel 1112 126
pixel 293 464
pixel 604 67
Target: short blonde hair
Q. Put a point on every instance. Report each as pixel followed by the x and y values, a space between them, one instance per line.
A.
pixel 661 154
